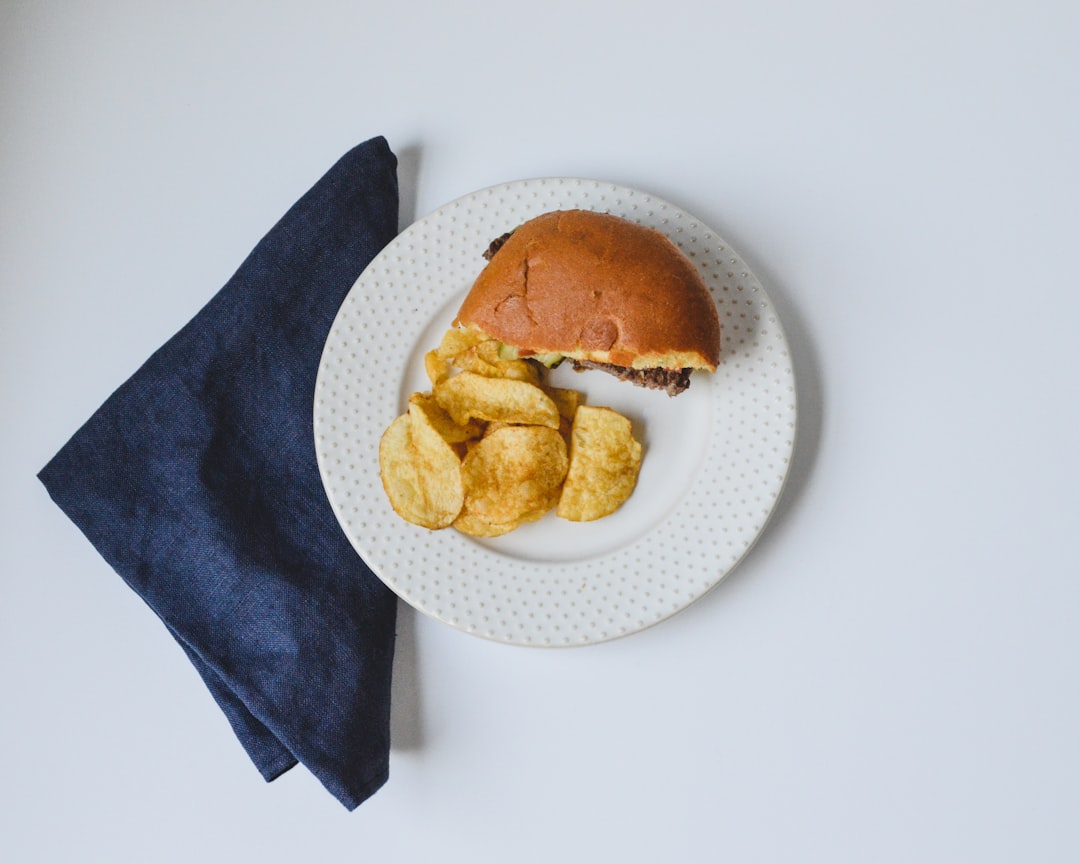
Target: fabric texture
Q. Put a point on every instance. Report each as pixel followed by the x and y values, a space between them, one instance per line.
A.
pixel 197 481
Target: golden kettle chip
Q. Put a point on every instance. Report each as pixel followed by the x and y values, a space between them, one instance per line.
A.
pixel 420 472
pixel 470 396
pixel 604 463
pixel 513 473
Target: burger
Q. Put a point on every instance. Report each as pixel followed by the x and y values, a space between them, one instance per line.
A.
pixel 598 291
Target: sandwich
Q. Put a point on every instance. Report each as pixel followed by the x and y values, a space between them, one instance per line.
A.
pixel 598 291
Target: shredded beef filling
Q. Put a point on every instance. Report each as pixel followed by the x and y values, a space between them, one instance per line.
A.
pixel 496 245
pixel 672 381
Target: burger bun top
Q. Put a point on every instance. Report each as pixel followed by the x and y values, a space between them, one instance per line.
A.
pixel 596 287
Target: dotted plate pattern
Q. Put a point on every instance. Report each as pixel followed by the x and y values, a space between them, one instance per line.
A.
pixel 715 462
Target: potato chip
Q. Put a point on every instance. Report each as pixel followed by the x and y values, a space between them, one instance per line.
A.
pixel 436 367
pixel 450 431
pixel 474 526
pixel 470 360
pixel 514 473
pixel 483 359
pixel 488 351
pixel 604 463
pixel 522 370
pixel 420 472
pixel 565 400
pixel 491 447
pixel 468 396
pixel 455 341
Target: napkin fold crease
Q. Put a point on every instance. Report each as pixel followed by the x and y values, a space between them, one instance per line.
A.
pixel 197 482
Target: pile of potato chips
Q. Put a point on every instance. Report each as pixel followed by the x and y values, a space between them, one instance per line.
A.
pixel 492 447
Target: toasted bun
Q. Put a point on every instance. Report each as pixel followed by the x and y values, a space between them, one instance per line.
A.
pixel 595 287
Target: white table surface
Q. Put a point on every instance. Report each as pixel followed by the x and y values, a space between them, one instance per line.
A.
pixel 892 675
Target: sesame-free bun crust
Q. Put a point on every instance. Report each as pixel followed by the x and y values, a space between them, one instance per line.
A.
pixel 592 286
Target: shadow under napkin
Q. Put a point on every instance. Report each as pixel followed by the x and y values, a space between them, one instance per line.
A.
pixel 197 481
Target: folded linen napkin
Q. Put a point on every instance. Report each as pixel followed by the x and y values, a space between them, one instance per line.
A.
pixel 197 482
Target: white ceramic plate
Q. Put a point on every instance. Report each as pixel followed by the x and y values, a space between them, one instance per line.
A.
pixel 716 457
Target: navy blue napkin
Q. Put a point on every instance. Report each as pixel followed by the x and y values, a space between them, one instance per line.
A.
pixel 197 482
